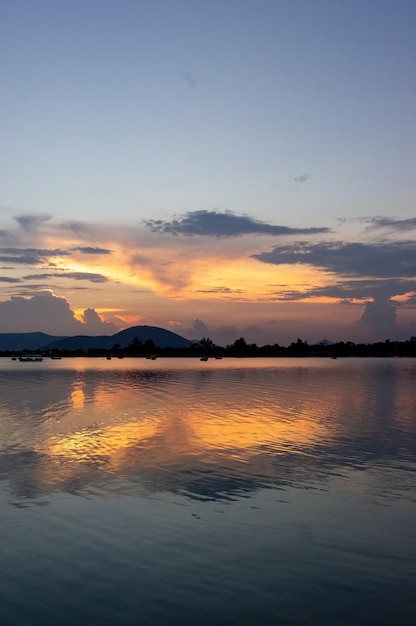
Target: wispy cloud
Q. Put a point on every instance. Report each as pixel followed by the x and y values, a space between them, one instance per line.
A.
pixel 220 290
pixel 8 237
pixel 349 290
pixel 94 278
pixel 302 179
pixel 393 224
pixel 28 256
pixel 31 223
pixel 226 224
pixel 7 279
pixel 82 230
pixel 90 250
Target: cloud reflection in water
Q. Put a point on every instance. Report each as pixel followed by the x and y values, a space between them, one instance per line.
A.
pixel 207 433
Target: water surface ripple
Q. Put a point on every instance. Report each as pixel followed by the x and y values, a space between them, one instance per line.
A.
pixel 241 491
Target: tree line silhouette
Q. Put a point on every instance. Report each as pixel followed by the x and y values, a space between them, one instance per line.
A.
pixel 240 348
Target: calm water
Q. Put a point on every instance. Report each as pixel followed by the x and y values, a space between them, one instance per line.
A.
pixel 229 492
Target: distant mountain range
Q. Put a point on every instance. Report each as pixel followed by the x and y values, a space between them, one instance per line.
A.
pixel 41 341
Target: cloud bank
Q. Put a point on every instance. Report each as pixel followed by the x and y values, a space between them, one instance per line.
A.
pixel 378 260
pixel 50 314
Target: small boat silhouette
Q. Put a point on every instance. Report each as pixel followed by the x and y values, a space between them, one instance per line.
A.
pixel 27 358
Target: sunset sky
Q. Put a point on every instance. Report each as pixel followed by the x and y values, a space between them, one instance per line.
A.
pixel 217 168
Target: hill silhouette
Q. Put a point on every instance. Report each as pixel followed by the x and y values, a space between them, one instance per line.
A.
pixel 41 341
pixel 15 342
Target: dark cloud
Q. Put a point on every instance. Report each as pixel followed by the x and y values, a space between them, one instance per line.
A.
pixel 348 302
pixel 94 278
pixel 200 327
pixel 227 224
pixel 89 250
pixel 32 289
pixel 380 260
pixel 24 259
pixel 6 279
pixel 34 256
pixel 31 223
pixel 220 290
pixel 302 179
pixel 380 316
pixel 353 289
pixel 28 256
pixel 394 224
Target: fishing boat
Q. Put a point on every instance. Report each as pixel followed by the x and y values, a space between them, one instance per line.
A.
pixel 29 358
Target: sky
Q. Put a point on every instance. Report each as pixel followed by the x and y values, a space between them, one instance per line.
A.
pixel 220 169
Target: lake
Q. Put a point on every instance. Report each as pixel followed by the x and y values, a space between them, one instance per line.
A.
pixel 227 492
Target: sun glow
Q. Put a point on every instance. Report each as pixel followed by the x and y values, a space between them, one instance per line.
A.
pixel 246 279
pixel 222 274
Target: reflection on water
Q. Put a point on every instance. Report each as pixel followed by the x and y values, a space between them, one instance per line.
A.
pixel 311 462
pixel 204 430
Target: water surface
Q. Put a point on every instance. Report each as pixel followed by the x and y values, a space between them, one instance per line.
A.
pixel 241 491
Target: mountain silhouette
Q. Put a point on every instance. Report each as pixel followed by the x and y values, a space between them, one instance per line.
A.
pixel 15 342
pixel 41 341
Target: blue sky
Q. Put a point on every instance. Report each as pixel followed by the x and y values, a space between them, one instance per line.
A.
pixel 298 114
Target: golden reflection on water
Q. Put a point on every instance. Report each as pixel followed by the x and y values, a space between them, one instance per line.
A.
pixel 99 442
pixel 249 432
pixel 127 461
pixel 77 398
pixel 82 424
pixel 191 435
pixel 178 424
